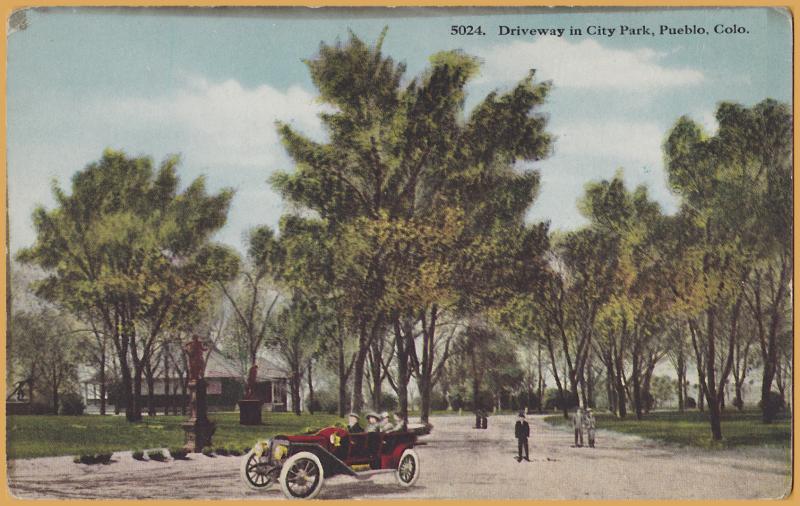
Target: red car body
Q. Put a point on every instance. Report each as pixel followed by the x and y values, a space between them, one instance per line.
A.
pixel 300 463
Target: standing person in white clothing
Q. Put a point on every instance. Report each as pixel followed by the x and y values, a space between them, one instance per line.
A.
pixel 589 424
pixel 577 425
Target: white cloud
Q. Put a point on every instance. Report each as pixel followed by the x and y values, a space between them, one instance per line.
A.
pixel 223 130
pixel 627 141
pixel 220 124
pixel 585 64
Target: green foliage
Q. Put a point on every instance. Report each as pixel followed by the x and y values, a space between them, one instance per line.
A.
pixel 157 455
pixel 127 246
pixel 222 451
pixel 138 455
pixel 236 452
pixel 208 451
pixel 72 404
pixel 178 452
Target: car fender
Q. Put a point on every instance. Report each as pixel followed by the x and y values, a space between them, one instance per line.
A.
pixel 330 463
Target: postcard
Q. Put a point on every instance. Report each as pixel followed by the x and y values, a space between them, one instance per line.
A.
pixel 399 253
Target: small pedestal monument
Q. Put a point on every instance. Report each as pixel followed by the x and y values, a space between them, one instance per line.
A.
pixel 198 428
pixel 250 406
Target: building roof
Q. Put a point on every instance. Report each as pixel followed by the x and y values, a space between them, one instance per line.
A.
pixel 220 366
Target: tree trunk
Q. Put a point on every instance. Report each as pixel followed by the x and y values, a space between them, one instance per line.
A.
pixel 621 398
pixel 136 415
pixel 102 379
pixel 342 373
pixel 167 396
pixel 540 380
pixel 310 406
pixel 680 369
pixel 150 378
pixel 294 386
pixel 54 387
pixel 375 371
pixel 358 369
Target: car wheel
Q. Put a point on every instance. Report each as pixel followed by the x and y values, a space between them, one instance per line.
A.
pixel 255 472
pixel 408 468
pixel 301 476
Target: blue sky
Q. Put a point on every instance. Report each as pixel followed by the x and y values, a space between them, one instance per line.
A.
pixel 209 85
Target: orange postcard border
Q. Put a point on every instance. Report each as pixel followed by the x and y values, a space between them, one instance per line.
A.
pixel 7 7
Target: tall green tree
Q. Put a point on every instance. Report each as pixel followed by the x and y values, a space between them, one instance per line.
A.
pixel 127 245
pixel 735 216
pixel 402 159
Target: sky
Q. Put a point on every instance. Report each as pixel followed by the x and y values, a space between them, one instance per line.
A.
pixel 209 85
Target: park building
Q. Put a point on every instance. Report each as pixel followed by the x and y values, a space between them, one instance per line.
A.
pixel 225 379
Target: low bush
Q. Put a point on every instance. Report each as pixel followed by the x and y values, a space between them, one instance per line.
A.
pixel 93 458
pixel 178 453
pixel 775 404
pixel 235 451
pixel 138 455
pixel 157 455
pixel 72 404
pixel 103 458
pixel 221 451
pixel 208 452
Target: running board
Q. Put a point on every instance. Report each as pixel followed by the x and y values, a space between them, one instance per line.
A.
pixel 365 475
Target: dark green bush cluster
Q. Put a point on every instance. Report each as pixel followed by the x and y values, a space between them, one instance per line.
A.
pixel 221 451
pixel 157 455
pixel 138 455
pixel 235 451
pixel 178 453
pixel 93 458
pixel 208 452
pixel 72 404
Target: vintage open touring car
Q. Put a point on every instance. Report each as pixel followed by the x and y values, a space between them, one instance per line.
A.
pixel 301 463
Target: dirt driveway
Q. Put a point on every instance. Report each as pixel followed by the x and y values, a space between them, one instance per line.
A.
pixel 458 462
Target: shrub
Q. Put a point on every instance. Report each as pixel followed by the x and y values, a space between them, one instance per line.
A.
pixel 40 408
pixel 235 451
pixel 388 401
pixel 178 453
pixel 774 405
pixel 157 455
pixel 138 455
pixel 72 404
pixel 87 459
pixel 103 458
pixel 208 452
pixel 76 459
pixel 221 451
pixel 554 402
pixel 324 400
pixel 691 403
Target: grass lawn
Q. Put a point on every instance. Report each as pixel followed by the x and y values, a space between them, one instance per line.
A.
pixel 692 428
pixel 41 436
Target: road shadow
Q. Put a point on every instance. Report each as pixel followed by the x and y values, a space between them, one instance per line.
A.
pixel 355 489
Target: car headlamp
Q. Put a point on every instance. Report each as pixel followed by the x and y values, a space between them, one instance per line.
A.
pixel 260 448
pixel 279 452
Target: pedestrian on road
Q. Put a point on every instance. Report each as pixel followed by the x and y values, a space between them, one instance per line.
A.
pixel 577 424
pixel 589 424
pixel 521 432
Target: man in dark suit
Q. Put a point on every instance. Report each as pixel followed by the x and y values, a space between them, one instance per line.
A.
pixel 521 432
pixel 353 426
